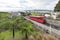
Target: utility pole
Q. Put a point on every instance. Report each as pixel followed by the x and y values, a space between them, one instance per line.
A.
pixel 13 32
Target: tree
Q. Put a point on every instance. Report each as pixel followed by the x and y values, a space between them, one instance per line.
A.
pixel 57 7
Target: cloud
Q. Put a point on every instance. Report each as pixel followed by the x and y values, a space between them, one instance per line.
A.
pixel 13 5
pixel 40 4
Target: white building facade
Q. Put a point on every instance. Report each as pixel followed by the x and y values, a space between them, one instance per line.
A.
pixel 54 15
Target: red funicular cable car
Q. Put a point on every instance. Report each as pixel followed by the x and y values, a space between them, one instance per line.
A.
pixel 40 19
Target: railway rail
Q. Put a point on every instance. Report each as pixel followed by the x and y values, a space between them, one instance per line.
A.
pixel 46 28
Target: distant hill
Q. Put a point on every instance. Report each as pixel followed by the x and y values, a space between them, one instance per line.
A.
pixel 57 8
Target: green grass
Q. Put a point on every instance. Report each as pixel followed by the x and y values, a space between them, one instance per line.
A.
pixel 6 35
pixel 4 15
pixel 18 35
pixel 36 14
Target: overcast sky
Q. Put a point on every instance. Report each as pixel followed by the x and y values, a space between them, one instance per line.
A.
pixel 9 5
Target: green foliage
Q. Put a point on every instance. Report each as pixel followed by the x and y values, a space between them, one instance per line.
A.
pixel 36 14
pixel 4 15
pixel 7 35
pixel 19 35
pixel 57 6
pixel 10 23
pixel 26 27
pixel 4 24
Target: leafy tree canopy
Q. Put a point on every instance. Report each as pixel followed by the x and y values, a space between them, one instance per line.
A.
pixel 57 8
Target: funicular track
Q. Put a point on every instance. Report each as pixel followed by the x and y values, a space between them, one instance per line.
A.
pixel 46 28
